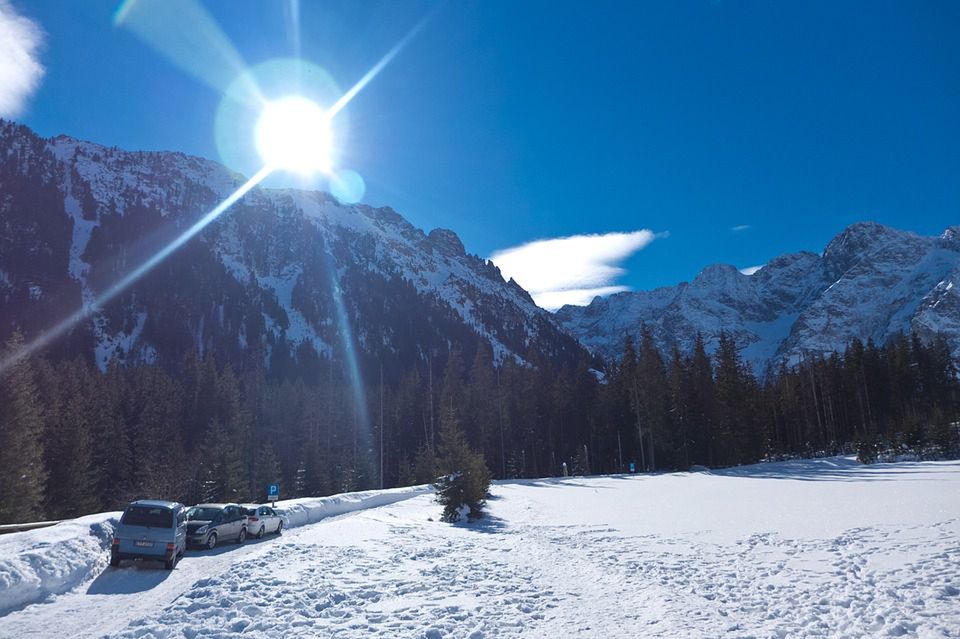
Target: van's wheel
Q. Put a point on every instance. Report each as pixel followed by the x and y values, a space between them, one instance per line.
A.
pixel 211 541
pixel 114 560
pixel 260 533
pixel 280 527
pixel 242 536
pixel 171 563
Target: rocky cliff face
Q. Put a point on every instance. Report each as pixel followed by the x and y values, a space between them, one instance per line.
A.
pixel 870 282
pixel 285 275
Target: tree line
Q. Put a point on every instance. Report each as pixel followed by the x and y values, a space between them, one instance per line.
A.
pixel 76 440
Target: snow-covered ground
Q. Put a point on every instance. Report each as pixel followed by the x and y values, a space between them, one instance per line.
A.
pixel 793 549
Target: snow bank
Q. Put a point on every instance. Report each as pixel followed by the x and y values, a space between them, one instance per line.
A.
pixel 48 561
pixel 308 510
pixel 39 563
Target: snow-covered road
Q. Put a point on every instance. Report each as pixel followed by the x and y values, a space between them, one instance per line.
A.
pixel 798 549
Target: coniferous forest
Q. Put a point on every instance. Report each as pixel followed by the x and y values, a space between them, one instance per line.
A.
pixel 76 440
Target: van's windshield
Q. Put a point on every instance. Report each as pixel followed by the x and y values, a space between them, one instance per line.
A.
pixel 147 516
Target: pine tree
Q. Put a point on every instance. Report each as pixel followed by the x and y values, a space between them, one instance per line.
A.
pixel 680 399
pixel 703 406
pixel 71 489
pixel 22 473
pixel 738 436
pixel 654 401
pixel 465 478
pixel 267 469
pixel 221 476
pixel 581 462
pixel 425 465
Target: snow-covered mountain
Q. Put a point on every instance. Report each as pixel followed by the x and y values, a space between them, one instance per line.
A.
pixel 281 267
pixel 870 282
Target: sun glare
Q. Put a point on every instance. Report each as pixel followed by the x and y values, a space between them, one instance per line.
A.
pixel 293 134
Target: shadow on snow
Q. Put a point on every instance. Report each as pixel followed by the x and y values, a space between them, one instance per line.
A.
pixel 141 575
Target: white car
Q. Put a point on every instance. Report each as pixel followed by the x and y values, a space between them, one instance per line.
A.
pixel 262 520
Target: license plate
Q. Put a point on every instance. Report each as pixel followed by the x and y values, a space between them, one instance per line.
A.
pixel 143 544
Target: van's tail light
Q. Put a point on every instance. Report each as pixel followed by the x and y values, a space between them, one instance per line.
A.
pixel 169 548
pixel 116 541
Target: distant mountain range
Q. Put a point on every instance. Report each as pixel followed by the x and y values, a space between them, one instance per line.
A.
pixel 287 275
pixel 871 282
pixel 294 276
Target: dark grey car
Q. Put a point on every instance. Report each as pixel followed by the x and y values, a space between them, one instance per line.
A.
pixel 208 524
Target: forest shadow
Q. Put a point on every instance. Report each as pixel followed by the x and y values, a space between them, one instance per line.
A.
pixel 553 482
pixel 838 469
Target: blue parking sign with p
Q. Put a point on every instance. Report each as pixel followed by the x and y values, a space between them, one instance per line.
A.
pixel 273 492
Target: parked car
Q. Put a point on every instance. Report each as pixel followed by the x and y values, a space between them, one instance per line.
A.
pixel 151 529
pixel 208 524
pixel 262 520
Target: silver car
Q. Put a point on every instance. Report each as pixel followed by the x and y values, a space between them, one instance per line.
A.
pixel 208 524
pixel 262 520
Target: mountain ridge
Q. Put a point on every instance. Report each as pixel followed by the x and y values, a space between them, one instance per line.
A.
pixel 288 266
pixel 871 282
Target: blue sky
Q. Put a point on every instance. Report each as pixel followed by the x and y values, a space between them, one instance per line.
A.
pixel 731 131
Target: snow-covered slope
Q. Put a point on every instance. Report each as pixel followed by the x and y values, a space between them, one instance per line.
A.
pixel 870 283
pixel 283 267
pixel 817 548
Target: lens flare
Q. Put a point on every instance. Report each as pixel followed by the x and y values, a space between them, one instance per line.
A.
pixel 293 134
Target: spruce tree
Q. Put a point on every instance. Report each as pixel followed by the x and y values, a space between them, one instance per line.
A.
pixel 71 489
pixel 465 478
pixel 703 406
pixel 22 473
pixel 221 474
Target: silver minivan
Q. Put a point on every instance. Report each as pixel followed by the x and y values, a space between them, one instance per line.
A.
pixel 151 529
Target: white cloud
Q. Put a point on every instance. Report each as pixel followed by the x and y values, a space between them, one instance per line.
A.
pixel 20 70
pixel 739 227
pixel 750 270
pixel 571 270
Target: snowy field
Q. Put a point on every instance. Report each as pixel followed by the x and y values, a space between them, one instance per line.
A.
pixel 824 548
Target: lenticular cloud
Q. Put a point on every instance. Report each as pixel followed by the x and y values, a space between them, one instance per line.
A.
pixel 571 270
pixel 20 70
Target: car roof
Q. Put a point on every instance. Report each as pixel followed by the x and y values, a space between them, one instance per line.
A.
pixel 156 503
pixel 213 505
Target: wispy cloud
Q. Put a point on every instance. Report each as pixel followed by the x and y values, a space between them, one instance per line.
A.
pixel 20 69
pixel 739 227
pixel 571 270
pixel 750 270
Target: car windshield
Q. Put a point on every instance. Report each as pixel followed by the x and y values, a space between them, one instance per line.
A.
pixel 204 514
pixel 147 516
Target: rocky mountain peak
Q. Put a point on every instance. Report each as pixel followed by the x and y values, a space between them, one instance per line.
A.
pixel 446 242
pixel 871 282
pixel 951 237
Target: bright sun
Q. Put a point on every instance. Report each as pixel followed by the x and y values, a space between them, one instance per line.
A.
pixel 293 134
